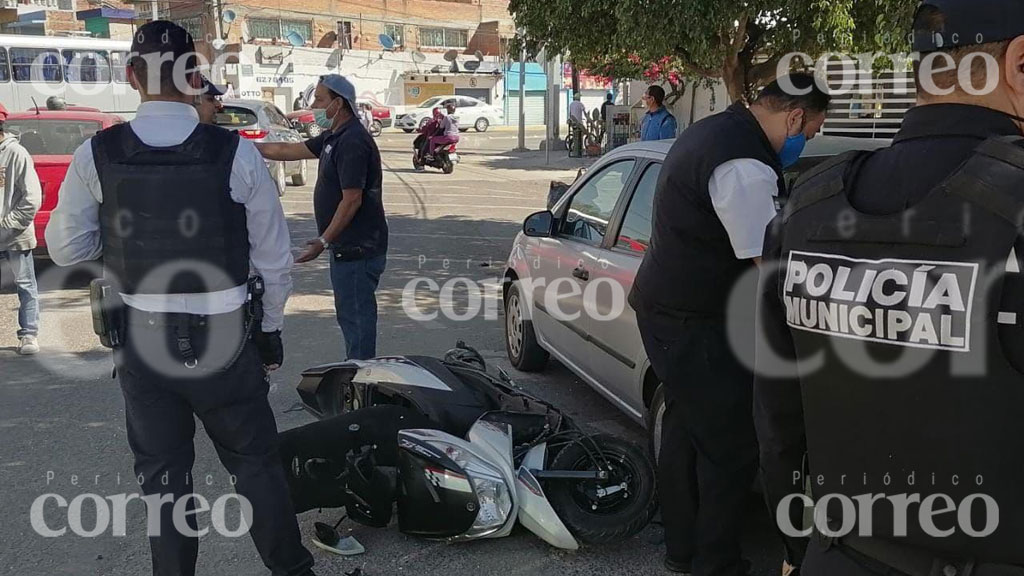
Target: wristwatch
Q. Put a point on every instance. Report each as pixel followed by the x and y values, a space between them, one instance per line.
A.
pixel 324 241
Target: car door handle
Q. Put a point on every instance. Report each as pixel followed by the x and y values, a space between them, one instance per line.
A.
pixel 581 273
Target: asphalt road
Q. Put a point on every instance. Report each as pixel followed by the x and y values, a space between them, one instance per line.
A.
pixel 62 417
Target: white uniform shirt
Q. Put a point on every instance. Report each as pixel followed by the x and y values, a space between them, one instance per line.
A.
pixel 73 233
pixel 576 111
pixel 743 193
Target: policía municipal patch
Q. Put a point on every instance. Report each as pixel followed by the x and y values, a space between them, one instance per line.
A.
pixel 913 303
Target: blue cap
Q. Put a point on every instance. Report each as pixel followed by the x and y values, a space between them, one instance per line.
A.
pixel 946 24
pixel 342 87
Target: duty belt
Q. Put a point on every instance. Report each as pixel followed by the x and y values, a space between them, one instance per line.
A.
pixel 911 561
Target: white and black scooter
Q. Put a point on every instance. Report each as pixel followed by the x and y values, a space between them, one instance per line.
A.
pixel 464 453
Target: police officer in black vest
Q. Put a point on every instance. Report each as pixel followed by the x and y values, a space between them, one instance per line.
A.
pixel 194 244
pixel 716 194
pixel 891 357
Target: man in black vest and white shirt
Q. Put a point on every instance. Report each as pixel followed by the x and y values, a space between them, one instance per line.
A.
pixel 183 214
pixel 715 196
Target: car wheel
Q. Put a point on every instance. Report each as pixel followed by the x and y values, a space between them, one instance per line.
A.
pixel 481 125
pixel 407 130
pixel 376 128
pixel 300 178
pixel 520 340
pixel 279 178
pixel 656 422
pixel 314 130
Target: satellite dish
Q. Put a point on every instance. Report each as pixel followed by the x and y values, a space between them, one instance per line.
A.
pixel 436 69
pixel 479 56
pixel 218 44
pixel 454 67
pixel 334 60
pixel 451 55
pixel 228 16
pixel 471 65
pixel 386 42
pixel 295 39
pixel 419 57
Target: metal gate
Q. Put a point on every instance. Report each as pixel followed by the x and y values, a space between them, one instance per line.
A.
pixel 534 108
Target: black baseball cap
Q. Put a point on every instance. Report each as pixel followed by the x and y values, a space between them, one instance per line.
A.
pixel 946 24
pixel 164 37
pixel 211 88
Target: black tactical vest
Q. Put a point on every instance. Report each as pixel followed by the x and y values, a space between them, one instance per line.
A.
pixel 168 222
pixel 915 395
pixel 691 267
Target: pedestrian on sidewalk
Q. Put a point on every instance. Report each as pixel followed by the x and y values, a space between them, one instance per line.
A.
pixel 658 123
pixel 349 209
pixel 20 198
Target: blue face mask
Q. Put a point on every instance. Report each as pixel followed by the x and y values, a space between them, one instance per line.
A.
pixel 320 117
pixel 792 149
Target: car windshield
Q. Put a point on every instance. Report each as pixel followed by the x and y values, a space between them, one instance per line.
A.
pixel 234 116
pixel 50 136
pixel 435 101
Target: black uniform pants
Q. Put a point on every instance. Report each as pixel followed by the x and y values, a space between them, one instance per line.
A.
pixel 161 403
pixel 708 457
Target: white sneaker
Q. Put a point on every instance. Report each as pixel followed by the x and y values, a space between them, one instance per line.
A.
pixel 28 345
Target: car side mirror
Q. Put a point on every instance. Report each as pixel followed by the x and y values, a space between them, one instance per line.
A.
pixel 539 224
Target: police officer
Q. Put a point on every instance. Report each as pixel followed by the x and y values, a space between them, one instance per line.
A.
pixel 349 210
pixel 182 214
pixel 715 195
pixel 891 320
pixel 209 102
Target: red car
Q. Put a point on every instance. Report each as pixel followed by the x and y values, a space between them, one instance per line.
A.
pixel 303 120
pixel 52 137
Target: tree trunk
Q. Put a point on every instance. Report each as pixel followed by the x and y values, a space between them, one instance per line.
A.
pixel 734 76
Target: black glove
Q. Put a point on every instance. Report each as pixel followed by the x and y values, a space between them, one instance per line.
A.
pixel 270 347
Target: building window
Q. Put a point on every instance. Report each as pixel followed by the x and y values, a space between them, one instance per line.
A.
pixel 35 65
pixel 397 33
pixel 268 29
pixel 443 38
pixel 193 25
pixel 53 4
pixel 345 35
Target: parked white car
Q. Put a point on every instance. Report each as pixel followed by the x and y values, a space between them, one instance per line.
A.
pixel 470 112
pixel 597 233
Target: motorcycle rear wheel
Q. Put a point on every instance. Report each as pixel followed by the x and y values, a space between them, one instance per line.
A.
pixel 612 518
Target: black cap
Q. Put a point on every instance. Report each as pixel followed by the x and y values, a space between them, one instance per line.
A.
pixel 162 37
pixel 966 23
pixel 211 88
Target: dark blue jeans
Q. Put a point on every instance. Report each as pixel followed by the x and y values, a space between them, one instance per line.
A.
pixel 355 301
pixel 24 271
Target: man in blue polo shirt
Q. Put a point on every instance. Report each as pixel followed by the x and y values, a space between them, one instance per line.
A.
pixel 349 210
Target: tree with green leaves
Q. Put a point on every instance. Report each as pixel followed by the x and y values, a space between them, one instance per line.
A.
pixel 740 42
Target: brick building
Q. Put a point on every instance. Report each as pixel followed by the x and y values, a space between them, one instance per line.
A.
pixel 94 18
pixel 423 25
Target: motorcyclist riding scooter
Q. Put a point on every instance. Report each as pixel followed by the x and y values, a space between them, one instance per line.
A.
pixel 441 133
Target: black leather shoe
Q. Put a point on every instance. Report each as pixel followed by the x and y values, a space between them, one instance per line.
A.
pixel 679 567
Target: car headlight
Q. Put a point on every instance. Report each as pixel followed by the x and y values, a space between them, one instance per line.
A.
pixel 493 494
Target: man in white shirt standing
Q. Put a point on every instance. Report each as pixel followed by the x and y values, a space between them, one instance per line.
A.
pixel 715 197
pixel 183 215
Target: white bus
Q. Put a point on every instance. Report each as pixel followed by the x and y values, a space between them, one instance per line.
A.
pixel 83 71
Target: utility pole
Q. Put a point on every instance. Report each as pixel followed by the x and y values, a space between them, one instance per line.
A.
pixel 154 9
pixel 522 92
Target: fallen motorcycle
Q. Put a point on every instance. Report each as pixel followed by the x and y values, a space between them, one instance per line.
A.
pixel 463 452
